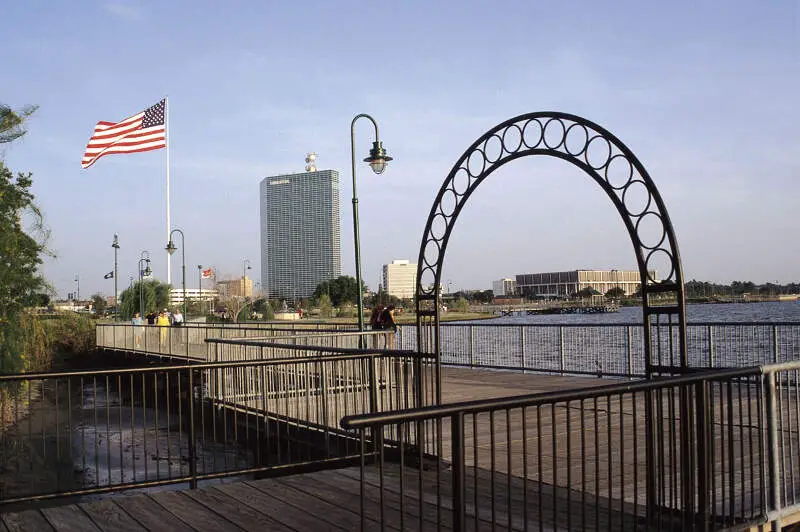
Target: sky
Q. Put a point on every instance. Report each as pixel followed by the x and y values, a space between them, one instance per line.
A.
pixel 704 93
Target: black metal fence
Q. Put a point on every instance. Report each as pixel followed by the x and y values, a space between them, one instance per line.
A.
pixel 717 450
pixel 84 432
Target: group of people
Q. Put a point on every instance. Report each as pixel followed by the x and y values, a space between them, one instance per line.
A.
pixel 163 319
pixel 382 319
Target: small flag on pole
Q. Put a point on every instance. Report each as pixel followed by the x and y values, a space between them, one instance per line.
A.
pixel 144 131
pixel 208 273
pixel 109 275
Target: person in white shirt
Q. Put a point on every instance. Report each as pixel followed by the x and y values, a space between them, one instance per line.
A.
pixel 177 318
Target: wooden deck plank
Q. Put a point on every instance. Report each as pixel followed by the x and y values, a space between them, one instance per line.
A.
pixel 110 517
pixel 333 479
pixel 69 519
pixel 234 511
pixel 288 515
pixel 340 517
pixel 192 513
pixel 25 521
pixel 150 514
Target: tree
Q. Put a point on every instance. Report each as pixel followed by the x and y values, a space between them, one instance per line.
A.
pixel 12 123
pixel 21 251
pixel 325 306
pixel 155 295
pixel 343 289
pixel 99 304
pixel 615 293
pixel 461 305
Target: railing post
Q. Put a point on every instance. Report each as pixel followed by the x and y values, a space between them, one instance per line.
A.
pixel 373 386
pixel 773 450
pixel 522 345
pixel 774 344
pixel 192 436
pixel 561 347
pixel 629 348
pixel 710 346
pixel 703 457
pixel 471 346
pixel 459 470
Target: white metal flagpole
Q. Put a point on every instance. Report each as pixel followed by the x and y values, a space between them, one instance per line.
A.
pixel 166 134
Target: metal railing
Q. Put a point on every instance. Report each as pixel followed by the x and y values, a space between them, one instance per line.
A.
pixel 708 451
pixel 189 342
pixel 590 349
pixel 607 349
pixel 84 432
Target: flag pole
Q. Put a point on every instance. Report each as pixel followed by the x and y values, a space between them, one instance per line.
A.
pixel 166 135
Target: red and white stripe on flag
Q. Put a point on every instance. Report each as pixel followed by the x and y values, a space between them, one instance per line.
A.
pixel 144 131
pixel 208 273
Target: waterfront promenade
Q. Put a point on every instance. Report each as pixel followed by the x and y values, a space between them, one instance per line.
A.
pixel 535 450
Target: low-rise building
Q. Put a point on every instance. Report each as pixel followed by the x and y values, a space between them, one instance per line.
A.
pixel 562 285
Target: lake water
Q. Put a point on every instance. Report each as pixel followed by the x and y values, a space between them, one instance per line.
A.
pixel 779 311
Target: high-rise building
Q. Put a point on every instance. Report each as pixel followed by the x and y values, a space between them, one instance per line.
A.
pixel 400 279
pixel 300 242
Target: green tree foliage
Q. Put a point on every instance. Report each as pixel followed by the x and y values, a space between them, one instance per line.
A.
pixel 461 305
pixel 263 307
pixel 21 250
pixel 341 290
pixel 615 293
pixel 154 292
pixel 99 304
pixel 12 123
pixel 325 306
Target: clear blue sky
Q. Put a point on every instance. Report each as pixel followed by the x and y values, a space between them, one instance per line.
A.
pixel 706 96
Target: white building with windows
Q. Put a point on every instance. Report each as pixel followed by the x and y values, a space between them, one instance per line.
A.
pixel 504 287
pixel 400 278
pixel 192 294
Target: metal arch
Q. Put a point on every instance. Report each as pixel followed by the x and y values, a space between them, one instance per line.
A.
pixel 618 172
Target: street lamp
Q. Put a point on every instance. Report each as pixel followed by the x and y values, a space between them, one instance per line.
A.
pixel 144 256
pixel 171 249
pixel 377 161
pixel 115 245
pixel 245 266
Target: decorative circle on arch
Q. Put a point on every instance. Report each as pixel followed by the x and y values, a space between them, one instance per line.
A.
pixel 578 141
pixel 600 155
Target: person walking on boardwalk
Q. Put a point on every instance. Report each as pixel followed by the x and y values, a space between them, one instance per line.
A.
pixel 138 328
pixel 386 322
pixel 163 324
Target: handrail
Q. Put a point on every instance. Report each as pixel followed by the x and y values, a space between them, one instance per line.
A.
pixel 528 400
pixel 250 341
pixel 353 354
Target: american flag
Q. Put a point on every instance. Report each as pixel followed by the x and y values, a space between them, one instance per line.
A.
pixel 144 131
pixel 208 273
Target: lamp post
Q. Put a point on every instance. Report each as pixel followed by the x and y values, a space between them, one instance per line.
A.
pixel 245 266
pixel 377 160
pixel 171 249
pixel 144 256
pixel 115 245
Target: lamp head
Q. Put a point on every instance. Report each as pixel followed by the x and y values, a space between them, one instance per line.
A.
pixel 170 247
pixel 147 270
pixel 115 244
pixel 377 157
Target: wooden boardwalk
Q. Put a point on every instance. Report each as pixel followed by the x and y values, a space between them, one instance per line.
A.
pixel 324 500
pixel 581 467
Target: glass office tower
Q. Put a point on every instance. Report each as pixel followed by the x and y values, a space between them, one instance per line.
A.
pixel 300 242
